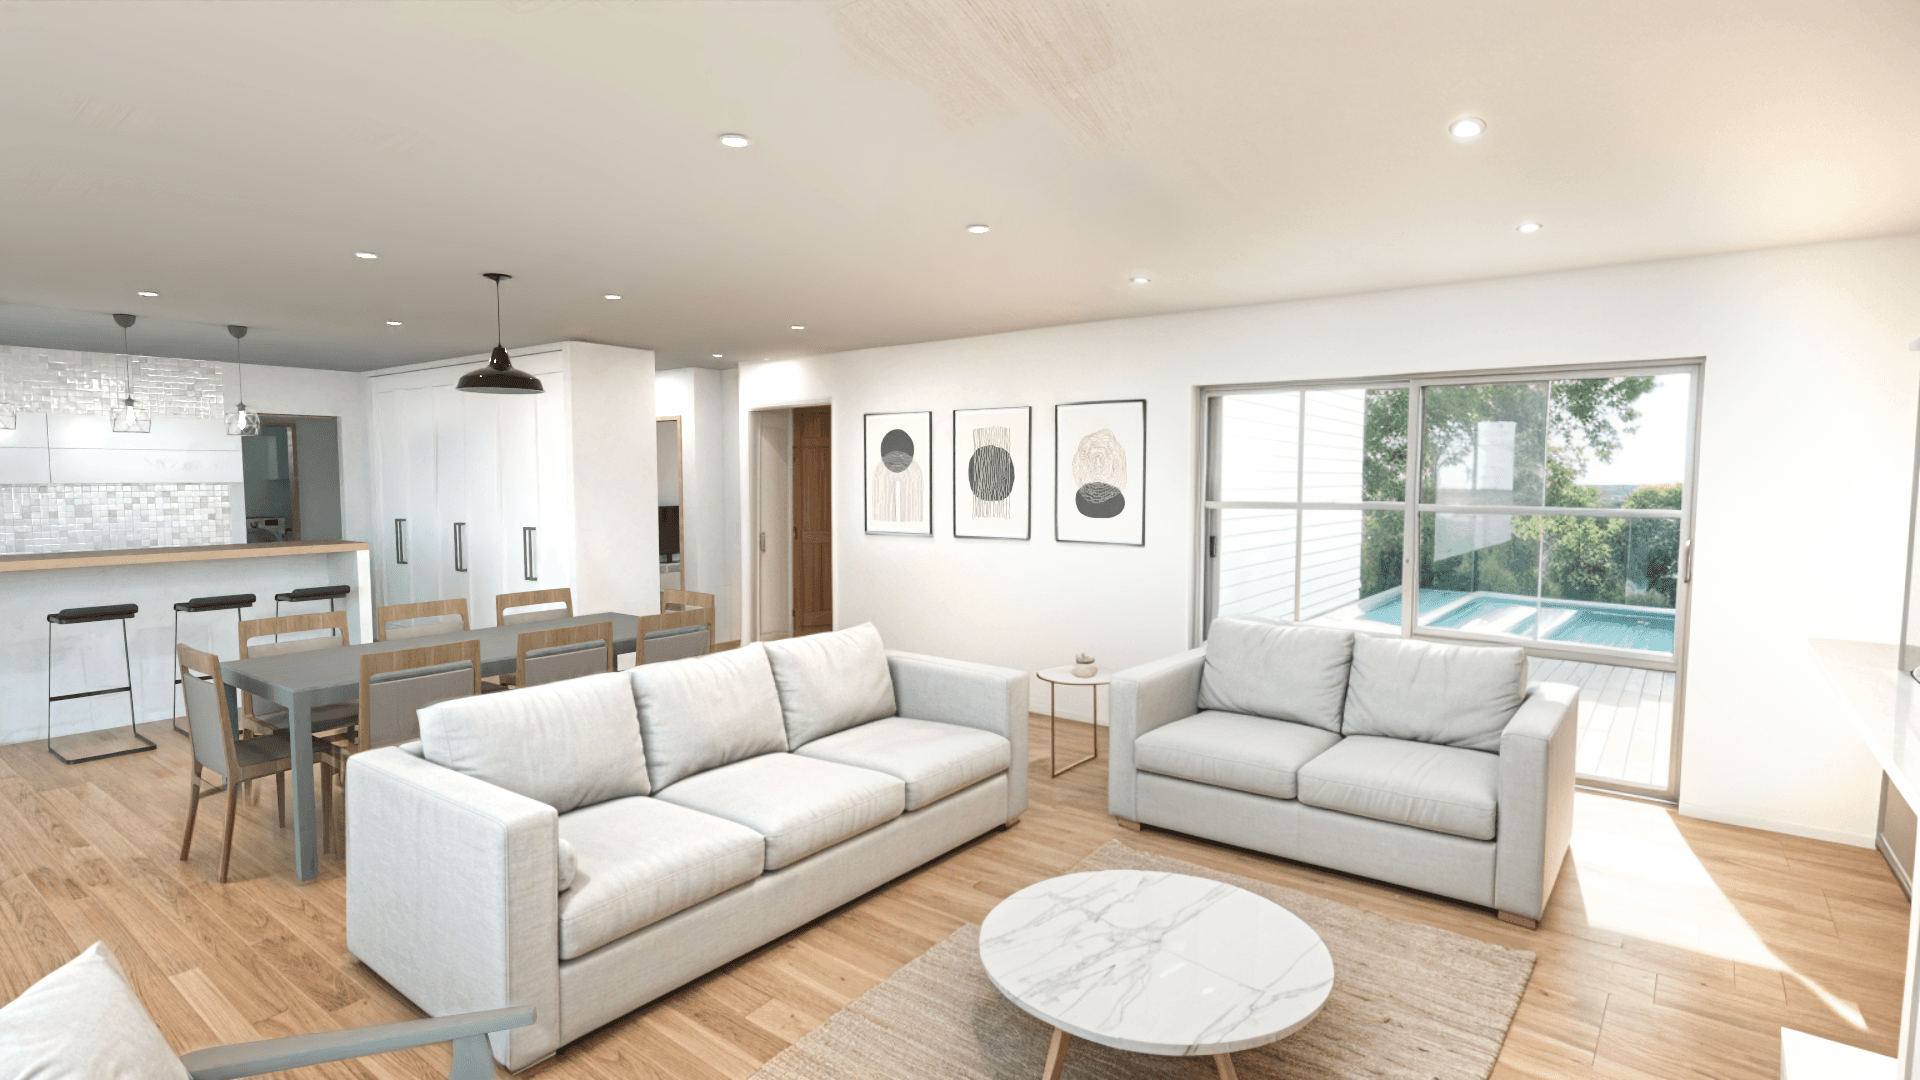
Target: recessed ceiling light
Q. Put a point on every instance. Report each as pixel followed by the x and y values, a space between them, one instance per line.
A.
pixel 1467 127
pixel 144 292
pixel 612 296
pixel 1137 281
pixel 796 326
pixel 393 322
pixel 365 255
pixel 735 141
pixel 976 229
pixel 1530 226
pixel 717 356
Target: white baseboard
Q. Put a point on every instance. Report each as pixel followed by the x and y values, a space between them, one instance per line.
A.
pixel 1790 828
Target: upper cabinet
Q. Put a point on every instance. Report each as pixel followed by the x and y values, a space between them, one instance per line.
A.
pixel 65 448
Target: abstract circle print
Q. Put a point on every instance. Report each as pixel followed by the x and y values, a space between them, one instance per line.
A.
pixel 899 484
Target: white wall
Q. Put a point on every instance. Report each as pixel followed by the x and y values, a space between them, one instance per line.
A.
pixel 697 396
pixel 1807 445
pixel 616 513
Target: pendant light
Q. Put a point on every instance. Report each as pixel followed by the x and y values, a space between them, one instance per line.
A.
pixel 499 376
pixel 130 418
pixel 9 412
pixel 241 421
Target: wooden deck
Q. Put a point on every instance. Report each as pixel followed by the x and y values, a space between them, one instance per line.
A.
pixel 1626 720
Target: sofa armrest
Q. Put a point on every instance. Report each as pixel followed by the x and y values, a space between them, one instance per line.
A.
pixel 973 695
pixel 452 894
pixel 1536 798
pixel 1143 698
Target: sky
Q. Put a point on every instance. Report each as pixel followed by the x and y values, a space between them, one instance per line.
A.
pixel 1656 452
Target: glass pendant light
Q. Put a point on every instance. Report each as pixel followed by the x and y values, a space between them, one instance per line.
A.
pixel 130 418
pixel 499 376
pixel 9 412
pixel 242 420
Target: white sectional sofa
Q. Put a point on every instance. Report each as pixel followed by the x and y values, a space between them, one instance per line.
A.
pixel 586 846
pixel 1429 765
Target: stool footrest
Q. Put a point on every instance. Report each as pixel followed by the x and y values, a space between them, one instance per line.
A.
pixel 93 693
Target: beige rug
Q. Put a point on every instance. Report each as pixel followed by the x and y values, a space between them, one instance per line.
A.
pixel 1409 1002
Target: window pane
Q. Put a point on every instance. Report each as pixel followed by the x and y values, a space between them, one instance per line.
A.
pixel 1484 445
pixel 1356 446
pixel 1255 568
pixel 1350 565
pixel 1260 447
pixel 1611 438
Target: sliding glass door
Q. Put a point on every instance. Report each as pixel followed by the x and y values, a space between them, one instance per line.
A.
pixel 1547 509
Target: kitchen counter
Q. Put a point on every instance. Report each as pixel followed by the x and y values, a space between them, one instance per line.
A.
pixel 62 560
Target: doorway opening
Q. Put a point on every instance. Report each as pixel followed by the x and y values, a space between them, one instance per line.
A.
pixel 291 473
pixel 793 521
pixel 672 487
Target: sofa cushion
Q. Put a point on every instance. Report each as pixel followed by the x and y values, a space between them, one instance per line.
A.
pixel 83 1021
pixel 1231 750
pixel 830 682
pixel 1455 695
pixel 1277 670
pixel 1438 788
pixel 933 759
pixel 566 744
pixel 707 711
pixel 637 861
pixel 800 804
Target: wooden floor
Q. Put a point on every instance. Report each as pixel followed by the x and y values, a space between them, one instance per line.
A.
pixel 1626 719
pixel 1673 947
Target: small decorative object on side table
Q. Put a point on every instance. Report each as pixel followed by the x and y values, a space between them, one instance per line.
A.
pixel 1083 667
pixel 1070 676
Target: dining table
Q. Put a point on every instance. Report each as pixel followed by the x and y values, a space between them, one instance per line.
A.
pixel 304 681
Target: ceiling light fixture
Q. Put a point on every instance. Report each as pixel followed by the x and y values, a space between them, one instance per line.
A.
pixel 365 255
pixel 977 229
pixel 796 326
pixel 129 418
pixel 499 376
pixel 1529 227
pixel 734 141
pixel 1137 281
pixel 717 356
pixel 242 420
pixel 393 322
pixel 144 292
pixel 611 296
pixel 1467 128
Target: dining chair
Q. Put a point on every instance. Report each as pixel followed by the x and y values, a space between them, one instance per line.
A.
pixel 540 599
pixel 683 628
pixel 395 686
pixel 384 618
pixel 331 722
pixel 563 652
pixel 212 732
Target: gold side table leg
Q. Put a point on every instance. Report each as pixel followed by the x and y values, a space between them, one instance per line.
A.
pixel 1053 723
pixel 1225 1063
pixel 1056 1055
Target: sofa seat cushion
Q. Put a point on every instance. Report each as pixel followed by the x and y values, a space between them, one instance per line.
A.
pixel 1438 788
pixel 639 860
pixel 1278 670
pixel 1232 750
pixel 933 759
pixel 800 804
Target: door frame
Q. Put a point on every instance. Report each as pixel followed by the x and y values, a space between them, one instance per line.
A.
pixel 750 519
pixel 680 485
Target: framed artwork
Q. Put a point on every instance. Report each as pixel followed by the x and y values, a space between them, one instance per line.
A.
pixel 899 475
pixel 993 473
pixel 1100 472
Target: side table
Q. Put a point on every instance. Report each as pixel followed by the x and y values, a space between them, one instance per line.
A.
pixel 1063 676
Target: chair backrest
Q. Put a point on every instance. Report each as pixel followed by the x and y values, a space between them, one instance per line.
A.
pixel 544 599
pixel 209 724
pixel 564 652
pixel 396 685
pixel 679 611
pixel 386 616
pixel 250 629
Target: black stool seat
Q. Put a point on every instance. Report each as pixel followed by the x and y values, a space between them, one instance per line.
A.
pixel 316 592
pixel 217 603
pixel 69 616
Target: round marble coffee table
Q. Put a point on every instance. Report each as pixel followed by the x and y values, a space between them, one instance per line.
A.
pixel 1155 963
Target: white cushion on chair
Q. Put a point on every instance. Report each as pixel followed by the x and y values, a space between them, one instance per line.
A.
pixel 566 744
pixel 830 682
pixel 83 1022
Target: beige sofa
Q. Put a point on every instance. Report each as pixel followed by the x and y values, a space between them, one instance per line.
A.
pixel 586 846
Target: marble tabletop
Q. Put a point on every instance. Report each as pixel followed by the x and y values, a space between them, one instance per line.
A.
pixel 1156 963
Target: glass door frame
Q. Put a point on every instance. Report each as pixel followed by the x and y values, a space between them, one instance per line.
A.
pixel 1210 505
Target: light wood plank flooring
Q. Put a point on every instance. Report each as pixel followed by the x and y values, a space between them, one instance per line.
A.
pixel 1626 719
pixel 1673 947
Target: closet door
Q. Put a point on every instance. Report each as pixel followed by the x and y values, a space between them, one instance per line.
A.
pixel 554 436
pixel 405 432
pixel 449 567
pixel 520 542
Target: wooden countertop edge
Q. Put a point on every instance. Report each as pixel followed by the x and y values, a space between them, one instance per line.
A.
pixel 67 560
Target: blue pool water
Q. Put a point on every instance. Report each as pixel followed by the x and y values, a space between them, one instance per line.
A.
pixel 1650 629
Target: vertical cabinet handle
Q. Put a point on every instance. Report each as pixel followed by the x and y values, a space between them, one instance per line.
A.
pixel 460 546
pixel 529 553
pixel 400 541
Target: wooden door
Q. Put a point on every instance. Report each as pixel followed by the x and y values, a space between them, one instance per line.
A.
pixel 812 520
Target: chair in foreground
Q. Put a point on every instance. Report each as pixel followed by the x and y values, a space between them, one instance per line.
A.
pixel 564 652
pixel 84 1020
pixel 683 628
pixel 395 686
pixel 236 760
pixel 443 612
pixel 539 605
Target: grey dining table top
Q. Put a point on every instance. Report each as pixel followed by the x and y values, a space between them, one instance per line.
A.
pixel 331 676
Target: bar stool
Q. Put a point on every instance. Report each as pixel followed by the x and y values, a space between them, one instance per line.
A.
pixel 329 593
pixel 77 616
pixel 235 602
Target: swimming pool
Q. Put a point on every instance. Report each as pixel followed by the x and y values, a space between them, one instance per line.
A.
pixel 1615 627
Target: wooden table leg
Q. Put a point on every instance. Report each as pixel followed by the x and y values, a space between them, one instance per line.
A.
pixel 1225 1063
pixel 1056 1055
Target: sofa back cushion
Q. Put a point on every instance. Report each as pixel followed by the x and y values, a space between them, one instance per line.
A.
pixel 1277 670
pixel 567 744
pixel 708 711
pixel 831 682
pixel 1453 695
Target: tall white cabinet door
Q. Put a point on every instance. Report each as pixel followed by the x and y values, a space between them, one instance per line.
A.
pixel 485 559
pixel 556 522
pixel 447 542
pixel 391 576
pixel 519 485
pixel 404 436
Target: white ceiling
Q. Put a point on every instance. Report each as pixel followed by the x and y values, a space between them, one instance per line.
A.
pixel 233 156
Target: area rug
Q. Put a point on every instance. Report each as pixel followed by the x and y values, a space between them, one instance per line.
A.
pixel 1409 1002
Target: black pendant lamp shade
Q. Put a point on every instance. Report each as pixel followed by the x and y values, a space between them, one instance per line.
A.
pixel 499 376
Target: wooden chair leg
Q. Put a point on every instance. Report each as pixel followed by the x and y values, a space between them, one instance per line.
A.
pixel 226 840
pixel 279 800
pixel 193 809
